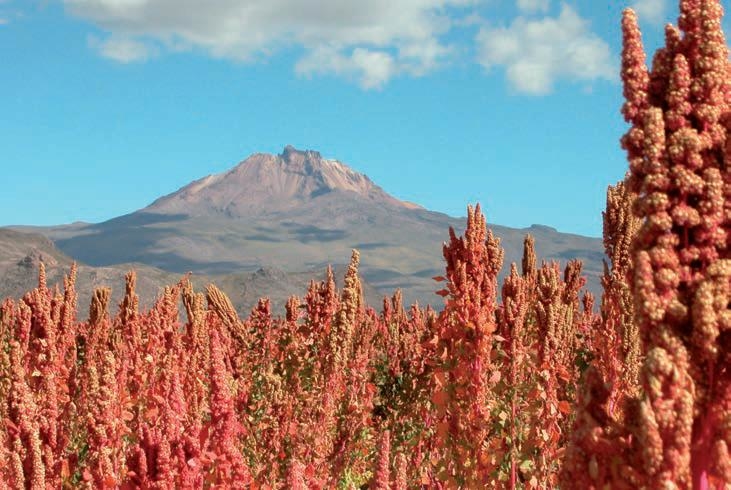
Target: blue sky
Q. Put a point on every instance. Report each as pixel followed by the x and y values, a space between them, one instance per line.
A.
pixel 108 104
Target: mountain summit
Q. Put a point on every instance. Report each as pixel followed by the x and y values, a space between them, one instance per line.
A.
pixel 265 183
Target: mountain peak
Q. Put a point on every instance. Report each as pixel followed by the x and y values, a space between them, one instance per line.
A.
pixel 290 153
pixel 265 183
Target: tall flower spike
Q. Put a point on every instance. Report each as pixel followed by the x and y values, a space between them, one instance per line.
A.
pixel 349 312
pixel 681 273
pixel 513 313
pixel 98 307
pixel 620 227
pixel 529 256
pixel 226 428
pixel 619 346
pixel 382 478
pixel 711 85
pixel 678 95
pixel 400 480
pixel 222 306
pixel 130 303
pixel 295 476
pixel 465 336
pixel 352 298
pixel 292 309
pixel 193 304
pixel 219 302
pixel 662 66
pixel 634 70
pixel 42 284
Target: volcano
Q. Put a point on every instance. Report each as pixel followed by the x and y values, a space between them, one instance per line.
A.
pixel 297 212
pixel 265 184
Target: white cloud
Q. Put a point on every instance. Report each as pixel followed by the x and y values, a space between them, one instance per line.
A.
pixel 537 53
pixel 471 19
pixel 371 68
pixel 650 10
pixel 121 49
pixel 372 40
pixel 531 6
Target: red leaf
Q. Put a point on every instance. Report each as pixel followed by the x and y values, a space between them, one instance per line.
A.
pixel 564 407
pixel 439 278
pixel 439 398
pixel 371 389
pixel 442 431
pixel 203 436
pixel 432 342
pixel 442 292
pixel 562 373
pixel 12 428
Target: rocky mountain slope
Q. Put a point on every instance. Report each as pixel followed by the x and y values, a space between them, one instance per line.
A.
pixel 297 212
pixel 21 254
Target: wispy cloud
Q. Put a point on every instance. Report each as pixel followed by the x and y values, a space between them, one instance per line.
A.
pixel 537 53
pixel 371 41
pixel 651 11
pixel 372 68
pixel 121 49
pixel 530 6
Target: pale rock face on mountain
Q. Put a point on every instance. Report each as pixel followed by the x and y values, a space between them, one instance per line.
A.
pixel 264 184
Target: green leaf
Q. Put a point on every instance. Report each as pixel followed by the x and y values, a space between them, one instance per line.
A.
pixel 526 466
